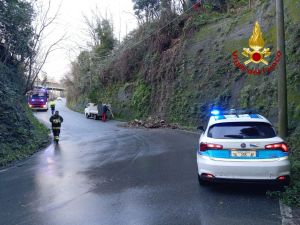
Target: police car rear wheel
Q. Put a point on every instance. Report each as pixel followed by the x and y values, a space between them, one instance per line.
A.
pixel 202 182
pixel 283 184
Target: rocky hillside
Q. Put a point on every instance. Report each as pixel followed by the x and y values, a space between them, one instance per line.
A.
pixel 186 66
pixel 177 70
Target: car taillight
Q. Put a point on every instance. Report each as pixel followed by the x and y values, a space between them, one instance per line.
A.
pixel 282 146
pixel 281 178
pixel 207 146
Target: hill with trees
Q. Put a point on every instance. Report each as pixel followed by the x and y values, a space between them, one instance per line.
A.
pixel 178 63
pixel 21 134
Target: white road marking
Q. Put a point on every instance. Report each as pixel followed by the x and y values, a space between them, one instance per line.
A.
pixel 286 214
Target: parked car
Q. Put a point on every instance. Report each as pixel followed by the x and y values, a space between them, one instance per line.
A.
pixel 91 111
pixel 241 146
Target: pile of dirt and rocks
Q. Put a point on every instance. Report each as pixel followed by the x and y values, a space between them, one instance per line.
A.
pixel 151 122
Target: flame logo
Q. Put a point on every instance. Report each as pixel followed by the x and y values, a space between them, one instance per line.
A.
pixel 256 42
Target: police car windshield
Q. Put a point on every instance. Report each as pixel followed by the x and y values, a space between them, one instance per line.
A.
pixel 241 130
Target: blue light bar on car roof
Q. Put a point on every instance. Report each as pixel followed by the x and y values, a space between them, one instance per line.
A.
pixel 215 112
pixel 254 116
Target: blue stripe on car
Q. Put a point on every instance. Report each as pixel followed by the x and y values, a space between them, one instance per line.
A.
pixel 220 117
pixel 260 154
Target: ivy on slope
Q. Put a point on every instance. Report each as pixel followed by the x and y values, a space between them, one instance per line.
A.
pixel 20 133
pixel 181 71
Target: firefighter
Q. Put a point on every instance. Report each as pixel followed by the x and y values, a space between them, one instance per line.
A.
pixel 197 5
pixel 56 121
pixel 52 106
pixel 104 112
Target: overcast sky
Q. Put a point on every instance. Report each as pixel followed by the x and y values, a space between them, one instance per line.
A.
pixel 71 22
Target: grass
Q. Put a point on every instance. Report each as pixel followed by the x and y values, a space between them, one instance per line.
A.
pixel 292 10
pixel 37 138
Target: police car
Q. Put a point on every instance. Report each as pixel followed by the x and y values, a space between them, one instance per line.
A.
pixel 239 145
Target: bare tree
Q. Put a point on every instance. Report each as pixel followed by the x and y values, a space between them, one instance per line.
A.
pixel 91 26
pixel 184 4
pixel 250 4
pixel 166 8
pixel 44 79
pixel 39 54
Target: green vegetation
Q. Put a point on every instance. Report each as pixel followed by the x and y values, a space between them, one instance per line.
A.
pixel 21 134
pixel 186 67
pixel 292 194
pixel 13 149
pixel 16 30
pixel 141 100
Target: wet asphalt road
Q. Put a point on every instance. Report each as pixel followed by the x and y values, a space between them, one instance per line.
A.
pixel 104 174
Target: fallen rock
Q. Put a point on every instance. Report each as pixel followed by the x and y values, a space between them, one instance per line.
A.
pixel 151 123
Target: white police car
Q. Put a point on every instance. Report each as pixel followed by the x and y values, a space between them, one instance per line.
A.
pixel 241 146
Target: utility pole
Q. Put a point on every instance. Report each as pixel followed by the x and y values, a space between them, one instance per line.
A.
pixel 282 89
pixel 90 70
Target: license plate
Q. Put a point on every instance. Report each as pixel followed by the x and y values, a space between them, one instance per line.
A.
pixel 243 153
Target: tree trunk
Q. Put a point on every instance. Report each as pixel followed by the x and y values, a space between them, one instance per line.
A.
pixel 250 4
pixel 166 9
pixel 228 6
pixel 184 5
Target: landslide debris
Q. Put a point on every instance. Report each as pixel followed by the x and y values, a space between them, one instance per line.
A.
pixel 151 123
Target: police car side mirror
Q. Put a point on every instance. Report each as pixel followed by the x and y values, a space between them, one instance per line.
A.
pixel 201 128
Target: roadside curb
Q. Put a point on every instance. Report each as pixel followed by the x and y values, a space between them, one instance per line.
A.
pixel 296 216
pixel 286 214
pixel 289 216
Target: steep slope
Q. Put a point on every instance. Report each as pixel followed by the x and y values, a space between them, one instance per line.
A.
pixel 177 70
pixel 20 133
pixel 184 67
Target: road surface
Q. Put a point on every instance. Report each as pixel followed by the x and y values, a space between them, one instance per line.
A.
pixel 101 173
